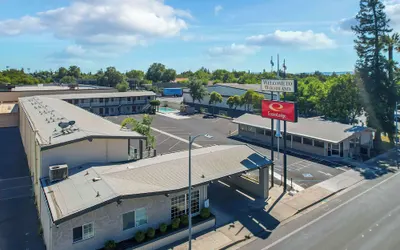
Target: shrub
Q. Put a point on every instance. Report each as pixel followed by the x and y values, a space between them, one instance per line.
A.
pixel 150 233
pixel 139 236
pixel 110 245
pixel 175 223
pixel 205 213
pixel 185 219
pixel 163 227
pixel 202 110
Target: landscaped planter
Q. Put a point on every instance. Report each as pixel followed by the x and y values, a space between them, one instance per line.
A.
pixel 170 236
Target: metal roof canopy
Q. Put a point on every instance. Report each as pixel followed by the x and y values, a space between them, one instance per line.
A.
pixel 161 175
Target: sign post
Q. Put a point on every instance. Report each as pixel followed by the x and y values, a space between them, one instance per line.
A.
pixel 280 111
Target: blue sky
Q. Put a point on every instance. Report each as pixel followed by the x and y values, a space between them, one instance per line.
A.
pixel 183 34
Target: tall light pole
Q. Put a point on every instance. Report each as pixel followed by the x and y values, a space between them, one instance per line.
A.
pixel 191 140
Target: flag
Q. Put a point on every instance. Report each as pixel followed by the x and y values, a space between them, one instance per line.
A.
pixel 284 64
pixel 272 61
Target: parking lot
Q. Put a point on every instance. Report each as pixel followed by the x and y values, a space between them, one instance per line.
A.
pixel 303 170
pixel 19 225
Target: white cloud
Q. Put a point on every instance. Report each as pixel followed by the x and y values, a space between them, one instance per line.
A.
pixel 392 9
pixel 300 39
pixel 217 9
pixel 232 50
pixel 98 23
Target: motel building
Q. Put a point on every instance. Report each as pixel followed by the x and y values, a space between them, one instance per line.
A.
pixel 89 190
pixel 311 135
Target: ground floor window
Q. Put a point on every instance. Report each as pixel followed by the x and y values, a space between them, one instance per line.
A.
pixel 180 204
pixel 297 138
pixel 307 141
pixel 134 218
pixel 242 127
pixel 83 232
pixel 319 144
pixel 260 131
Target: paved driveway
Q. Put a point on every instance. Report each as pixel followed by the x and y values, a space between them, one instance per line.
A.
pixel 19 224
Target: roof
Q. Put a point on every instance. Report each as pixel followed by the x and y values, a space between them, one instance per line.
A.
pixel 52 87
pixel 104 95
pixel 315 128
pixel 46 112
pixel 164 174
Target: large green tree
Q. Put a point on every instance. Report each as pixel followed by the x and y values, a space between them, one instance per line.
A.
pixel 155 72
pixel 379 94
pixel 67 79
pixel 168 75
pixel 74 71
pixel 197 90
pixel 135 74
pixel 111 77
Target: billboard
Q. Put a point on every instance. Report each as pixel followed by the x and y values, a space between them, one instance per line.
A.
pixel 284 111
pixel 288 86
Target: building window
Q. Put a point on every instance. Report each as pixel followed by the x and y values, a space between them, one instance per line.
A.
pixel 101 99
pixel 251 129
pixel 135 218
pixel 242 127
pixel 288 137
pixel 101 111
pixel 129 99
pixel 141 217
pixel 128 220
pixel 307 141
pixel 179 204
pixel 319 144
pixel 83 232
pixel 149 97
pixel 296 138
pixel 268 132
pixel 260 131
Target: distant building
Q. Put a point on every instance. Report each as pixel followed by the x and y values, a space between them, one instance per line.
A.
pixel 226 90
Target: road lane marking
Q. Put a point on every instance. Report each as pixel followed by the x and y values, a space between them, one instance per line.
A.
pixel 327 174
pixel 176 137
pixel 327 213
pixel 164 141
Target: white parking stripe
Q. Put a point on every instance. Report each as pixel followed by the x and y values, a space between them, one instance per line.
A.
pixel 176 137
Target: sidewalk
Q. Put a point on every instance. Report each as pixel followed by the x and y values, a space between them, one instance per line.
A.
pixel 281 206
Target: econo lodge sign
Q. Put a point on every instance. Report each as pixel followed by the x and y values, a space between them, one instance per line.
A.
pixel 285 111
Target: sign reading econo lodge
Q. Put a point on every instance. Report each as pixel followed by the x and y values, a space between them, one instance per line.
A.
pixel 284 111
pixel 288 86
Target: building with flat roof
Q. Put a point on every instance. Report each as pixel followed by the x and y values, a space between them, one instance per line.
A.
pixel 226 90
pixel 311 135
pixel 109 104
pixel 56 132
pixel 114 201
pixel 12 94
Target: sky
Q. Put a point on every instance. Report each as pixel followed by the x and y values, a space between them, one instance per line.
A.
pixel 182 34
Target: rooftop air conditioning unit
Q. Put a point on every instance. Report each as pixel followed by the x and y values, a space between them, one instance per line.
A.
pixel 58 172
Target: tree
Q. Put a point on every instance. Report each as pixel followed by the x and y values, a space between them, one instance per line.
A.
pixel 168 75
pixel 111 77
pixel 155 103
pixel 74 71
pixel 61 73
pixel 122 86
pixel 135 74
pixel 196 90
pixel 155 72
pixel 343 101
pixel 379 94
pixel 67 79
pixel 234 101
pixel 256 99
pixel 391 43
pixel 247 98
pixel 215 98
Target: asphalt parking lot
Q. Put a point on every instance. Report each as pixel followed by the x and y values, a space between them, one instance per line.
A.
pixel 302 169
pixel 19 225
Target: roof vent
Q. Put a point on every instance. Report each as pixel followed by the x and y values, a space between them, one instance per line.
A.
pixel 96 179
pixel 58 172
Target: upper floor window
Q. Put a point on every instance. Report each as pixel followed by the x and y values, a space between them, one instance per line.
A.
pixel 83 232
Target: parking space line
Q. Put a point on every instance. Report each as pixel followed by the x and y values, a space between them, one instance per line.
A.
pixel 164 141
pixel 176 137
pixel 174 145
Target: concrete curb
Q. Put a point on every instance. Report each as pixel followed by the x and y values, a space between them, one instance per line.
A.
pixel 319 201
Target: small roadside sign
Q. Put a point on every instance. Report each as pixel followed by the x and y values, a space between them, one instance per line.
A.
pixel 288 86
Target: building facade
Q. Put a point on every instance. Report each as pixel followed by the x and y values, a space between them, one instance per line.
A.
pixel 313 136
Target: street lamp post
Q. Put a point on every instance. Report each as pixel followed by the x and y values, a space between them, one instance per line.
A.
pixel 191 140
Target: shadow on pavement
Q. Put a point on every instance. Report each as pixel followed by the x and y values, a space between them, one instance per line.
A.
pixel 229 206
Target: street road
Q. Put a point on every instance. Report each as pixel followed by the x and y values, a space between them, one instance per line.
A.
pixel 366 217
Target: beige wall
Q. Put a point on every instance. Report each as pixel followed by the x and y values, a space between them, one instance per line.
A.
pixel 9 120
pixel 260 189
pixel 13 96
pixel 76 154
pixel 45 220
pixel 108 221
